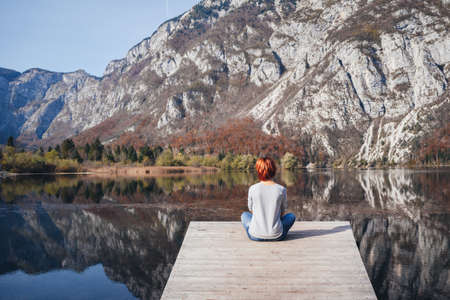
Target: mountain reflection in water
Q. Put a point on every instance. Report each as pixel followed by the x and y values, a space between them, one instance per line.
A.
pixel 134 227
pixel 136 246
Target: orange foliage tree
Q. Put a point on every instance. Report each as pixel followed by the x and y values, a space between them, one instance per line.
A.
pixel 239 136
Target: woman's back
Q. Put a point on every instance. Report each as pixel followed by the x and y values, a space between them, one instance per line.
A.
pixel 267 202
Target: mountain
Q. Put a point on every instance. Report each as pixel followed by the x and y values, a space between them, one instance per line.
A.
pixel 355 79
pixel 33 102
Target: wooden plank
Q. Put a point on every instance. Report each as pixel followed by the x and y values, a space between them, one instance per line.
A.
pixel 319 260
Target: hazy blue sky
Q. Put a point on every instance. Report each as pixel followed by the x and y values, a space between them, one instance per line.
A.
pixel 67 35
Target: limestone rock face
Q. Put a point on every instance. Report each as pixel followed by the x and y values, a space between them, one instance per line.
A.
pixel 353 77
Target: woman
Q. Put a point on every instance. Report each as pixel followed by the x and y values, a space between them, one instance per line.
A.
pixel 267 203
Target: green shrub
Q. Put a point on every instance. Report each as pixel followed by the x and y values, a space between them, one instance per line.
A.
pixel 243 162
pixel 179 159
pixel 289 161
pixel 26 163
pixel 210 161
pixel 67 165
pixel 51 156
pixel 165 158
pixel 195 161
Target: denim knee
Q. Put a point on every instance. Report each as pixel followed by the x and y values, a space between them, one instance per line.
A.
pixel 246 217
pixel 289 217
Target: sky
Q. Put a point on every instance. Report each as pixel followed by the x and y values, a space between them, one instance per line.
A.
pixel 68 35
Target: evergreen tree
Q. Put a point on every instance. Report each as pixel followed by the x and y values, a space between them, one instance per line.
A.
pixel 87 149
pixel 124 151
pixel 157 151
pixel 41 151
pixel 109 154
pixel 77 156
pixel 221 155
pixel 49 148
pixel 132 156
pixel 147 152
pixel 10 141
pixel 68 149
pixel 96 152
pixel 58 150
pixel 117 153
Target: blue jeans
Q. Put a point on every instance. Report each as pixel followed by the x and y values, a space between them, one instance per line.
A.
pixel 287 220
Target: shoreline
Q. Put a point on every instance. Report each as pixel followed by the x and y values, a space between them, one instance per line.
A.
pixel 153 171
pixel 149 171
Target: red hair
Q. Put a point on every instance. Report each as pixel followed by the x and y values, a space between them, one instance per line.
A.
pixel 265 166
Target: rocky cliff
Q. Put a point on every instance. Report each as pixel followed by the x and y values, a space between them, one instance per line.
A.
pixel 357 79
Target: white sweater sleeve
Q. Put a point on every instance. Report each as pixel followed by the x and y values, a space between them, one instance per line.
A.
pixel 250 201
pixel 284 202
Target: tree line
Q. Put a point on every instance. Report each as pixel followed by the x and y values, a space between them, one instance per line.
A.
pixel 235 145
pixel 68 157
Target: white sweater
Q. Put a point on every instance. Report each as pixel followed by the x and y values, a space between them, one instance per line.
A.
pixel 266 202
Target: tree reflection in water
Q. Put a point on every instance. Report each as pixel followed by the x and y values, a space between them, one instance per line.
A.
pixel 134 226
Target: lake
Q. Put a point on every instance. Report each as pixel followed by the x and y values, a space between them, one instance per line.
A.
pixel 89 237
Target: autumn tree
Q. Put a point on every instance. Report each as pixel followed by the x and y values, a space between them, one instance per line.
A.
pixel 243 136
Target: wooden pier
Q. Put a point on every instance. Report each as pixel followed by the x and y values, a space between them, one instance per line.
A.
pixel 319 260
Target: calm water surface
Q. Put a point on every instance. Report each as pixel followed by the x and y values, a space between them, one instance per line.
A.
pixel 80 237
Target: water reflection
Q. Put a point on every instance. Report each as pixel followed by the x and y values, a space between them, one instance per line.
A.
pixel 92 189
pixel 406 259
pixel 312 195
pixel 92 283
pixel 134 227
pixel 135 246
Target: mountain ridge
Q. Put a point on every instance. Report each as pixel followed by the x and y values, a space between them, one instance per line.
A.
pixel 353 77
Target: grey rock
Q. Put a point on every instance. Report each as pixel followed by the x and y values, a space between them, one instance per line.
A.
pixel 349 75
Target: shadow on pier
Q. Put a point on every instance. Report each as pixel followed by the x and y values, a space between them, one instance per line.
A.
pixel 301 234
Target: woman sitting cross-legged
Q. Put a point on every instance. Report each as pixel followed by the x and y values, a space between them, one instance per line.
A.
pixel 267 203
